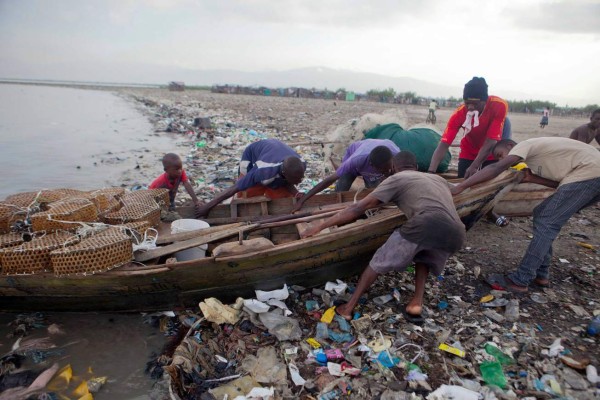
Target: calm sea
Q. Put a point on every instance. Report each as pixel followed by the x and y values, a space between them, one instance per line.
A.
pixel 46 133
pixel 59 137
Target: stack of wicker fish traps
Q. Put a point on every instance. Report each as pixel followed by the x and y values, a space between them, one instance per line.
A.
pixel 100 252
pixel 138 206
pixel 64 215
pixel 34 256
pixel 71 229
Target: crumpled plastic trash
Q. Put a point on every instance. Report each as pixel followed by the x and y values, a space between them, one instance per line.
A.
pixel 415 375
pixel 234 388
pixel 279 294
pixel 284 328
pixel 280 304
pixel 592 374
pixel 453 392
pixel 219 313
pixel 258 393
pixel 256 306
pixel 265 367
pixel 338 287
pixel 555 349
pixel 295 374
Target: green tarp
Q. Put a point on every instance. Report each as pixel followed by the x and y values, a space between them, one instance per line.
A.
pixel 420 141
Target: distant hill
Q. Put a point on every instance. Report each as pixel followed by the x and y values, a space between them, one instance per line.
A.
pixel 311 77
pixel 319 77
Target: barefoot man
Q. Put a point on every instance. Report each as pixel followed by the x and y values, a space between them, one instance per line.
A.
pixel 431 234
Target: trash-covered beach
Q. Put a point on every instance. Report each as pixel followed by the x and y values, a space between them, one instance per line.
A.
pixel 473 343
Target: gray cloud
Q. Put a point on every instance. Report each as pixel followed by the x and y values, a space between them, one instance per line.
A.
pixel 564 16
pixel 338 13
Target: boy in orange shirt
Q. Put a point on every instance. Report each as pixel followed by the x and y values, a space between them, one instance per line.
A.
pixel 173 176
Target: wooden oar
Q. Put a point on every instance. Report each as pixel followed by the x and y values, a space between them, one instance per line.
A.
pixel 187 244
pixel 178 237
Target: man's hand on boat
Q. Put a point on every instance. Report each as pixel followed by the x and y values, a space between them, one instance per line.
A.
pixel 455 189
pixel 201 209
pixel 528 176
pixel 299 202
pixel 311 231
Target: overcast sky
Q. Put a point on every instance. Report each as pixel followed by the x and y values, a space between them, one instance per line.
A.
pixel 550 49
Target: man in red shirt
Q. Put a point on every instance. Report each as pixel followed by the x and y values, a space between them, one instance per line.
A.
pixel 482 119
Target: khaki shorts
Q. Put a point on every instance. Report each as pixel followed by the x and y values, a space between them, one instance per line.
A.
pixel 397 254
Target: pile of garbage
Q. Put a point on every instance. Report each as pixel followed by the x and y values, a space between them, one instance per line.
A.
pixel 290 343
pixel 213 140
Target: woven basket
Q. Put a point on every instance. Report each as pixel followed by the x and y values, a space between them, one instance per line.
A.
pixel 98 253
pixel 159 196
pixel 8 215
pixel 75 210
pixel 34 256
pixel 144 211
pixel 104 202
pixel 26 199
pixel 69 192
pixel 139 226
pixel 10 240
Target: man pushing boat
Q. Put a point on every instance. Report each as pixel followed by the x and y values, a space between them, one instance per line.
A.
pixel 431 234
pixel 267 168
pixel 369 158
pixel 569 165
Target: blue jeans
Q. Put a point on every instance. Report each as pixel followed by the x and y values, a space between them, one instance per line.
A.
pixel 507 129
pixel 548 219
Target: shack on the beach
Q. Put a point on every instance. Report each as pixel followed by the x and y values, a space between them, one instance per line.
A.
pixel 176 86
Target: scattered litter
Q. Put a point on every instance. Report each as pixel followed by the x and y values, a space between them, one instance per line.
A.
pixel 539 298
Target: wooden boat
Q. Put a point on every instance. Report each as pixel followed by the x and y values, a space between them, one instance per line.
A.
pixel 521 201
pixel 159 284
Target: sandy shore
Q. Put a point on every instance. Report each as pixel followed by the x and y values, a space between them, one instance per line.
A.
pixel 574 271
pixel 237 119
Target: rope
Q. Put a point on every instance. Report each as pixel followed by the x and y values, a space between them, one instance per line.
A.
pixel 148 243
pixel 357 193
pixel 413 345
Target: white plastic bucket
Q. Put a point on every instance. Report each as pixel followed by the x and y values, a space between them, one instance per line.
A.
pixel 188 225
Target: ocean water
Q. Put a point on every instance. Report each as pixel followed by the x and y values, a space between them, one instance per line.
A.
pixel 53 137
pixel 46 133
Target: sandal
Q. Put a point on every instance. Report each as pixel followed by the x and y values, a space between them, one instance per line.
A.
pixel 541 282
pixel 502 282
pixel 414 318
pixel 502 221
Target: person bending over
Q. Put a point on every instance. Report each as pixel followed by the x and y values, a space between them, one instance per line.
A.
pixel 568 165
pixel 432 232
pixel 173 176
pixel 588 132
pixel 369 158
pixel 267 168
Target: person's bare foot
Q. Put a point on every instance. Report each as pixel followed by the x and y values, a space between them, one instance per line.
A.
pixel 414 308
pixel 344 311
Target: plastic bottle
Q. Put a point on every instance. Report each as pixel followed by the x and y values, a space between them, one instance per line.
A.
pixel 334 394
pixel 512 310
pixel 495 352
pixel 594 326
pixel 492 373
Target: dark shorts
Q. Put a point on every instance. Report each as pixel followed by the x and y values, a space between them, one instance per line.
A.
pixel 397 254
pixel 464 164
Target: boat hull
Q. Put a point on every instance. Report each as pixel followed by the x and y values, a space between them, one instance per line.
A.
pixel 308 262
